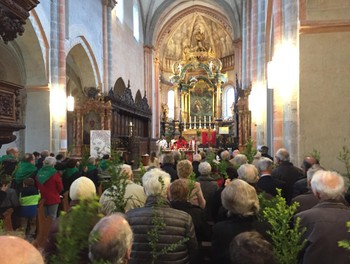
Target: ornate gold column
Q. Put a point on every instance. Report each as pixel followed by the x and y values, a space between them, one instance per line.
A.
pixel 218 101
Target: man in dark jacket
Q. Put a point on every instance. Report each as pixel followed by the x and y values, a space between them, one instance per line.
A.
pixel 287 173
pixel 169 167
pixel 325 223
pixel 158 227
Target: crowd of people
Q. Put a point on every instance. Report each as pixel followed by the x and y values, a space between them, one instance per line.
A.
pixel 182 211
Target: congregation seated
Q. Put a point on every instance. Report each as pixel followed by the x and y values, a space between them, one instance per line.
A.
pixel 241 201
pixel 184 171
pixel 251 248
pixel 111 240
pixel 178 225
pixel 326 222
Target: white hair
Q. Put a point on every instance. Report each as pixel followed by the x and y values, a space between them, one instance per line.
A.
pixel 264 164
pixel 248 173
pixel 197 157
pixel 311 172
pixel 156 182
pixel 240 159
pixel 111 239
pixel 82 188
pixel 225 155
pixel 328 184
pixel 204 168
pixel 282 154
pixel 240 198
pixel 49 161
pixel 127 170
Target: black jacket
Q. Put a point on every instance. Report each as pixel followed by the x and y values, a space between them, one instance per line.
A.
pixel 178 225
pixel 169 168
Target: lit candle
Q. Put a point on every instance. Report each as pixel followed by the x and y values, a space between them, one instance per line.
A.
pixel 130 123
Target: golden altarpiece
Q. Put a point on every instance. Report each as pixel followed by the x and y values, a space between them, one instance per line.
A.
pixel 197 82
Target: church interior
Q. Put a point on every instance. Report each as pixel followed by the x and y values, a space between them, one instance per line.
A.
pixel 269 70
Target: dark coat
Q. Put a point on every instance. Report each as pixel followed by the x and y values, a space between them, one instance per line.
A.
pixel 326 225
pixel 178 225
pixel 195 165
pixel 209 187
pixel 268 184
pixel 289 174
pixel 169 168
pixel 203 230
pixel 306 201
pixel 225 231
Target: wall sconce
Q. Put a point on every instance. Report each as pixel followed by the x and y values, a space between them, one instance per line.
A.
pixel 70 103
pixel 271 77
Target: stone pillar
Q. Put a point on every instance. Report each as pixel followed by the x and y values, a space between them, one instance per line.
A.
pixel 156 101
pixel 277 99
pixel 218 101
pixel 290 108
pixel 105 47
pixel 110 5
pixel 176 103
pixel 58 77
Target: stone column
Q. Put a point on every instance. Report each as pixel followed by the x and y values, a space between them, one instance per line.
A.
pixel 155 100
pixel 110 5
pixel 277 99
pixel 58 77
pixel 105 47
pixel 218 101
pixel 290 108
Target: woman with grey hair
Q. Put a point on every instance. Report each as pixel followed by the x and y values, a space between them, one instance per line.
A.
pixel 241 201
pixel 208 186
pixel 50 185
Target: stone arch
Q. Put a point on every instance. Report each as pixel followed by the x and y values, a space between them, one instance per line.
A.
pixel 82 52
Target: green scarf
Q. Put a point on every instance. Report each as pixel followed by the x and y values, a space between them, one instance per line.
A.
pixel 24 170
pixel 45 173
pixel 103 164
pixel 6 157
pixel 69 172
pixel 91 167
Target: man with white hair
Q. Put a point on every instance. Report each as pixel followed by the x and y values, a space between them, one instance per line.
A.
pixel 134 195
pixel 111 240
pixel 266 183
pixel 287 173
pixel 248 173
pixel 325 223
pixel 178 225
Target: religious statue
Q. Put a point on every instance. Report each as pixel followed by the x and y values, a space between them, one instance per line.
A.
pixel 199 35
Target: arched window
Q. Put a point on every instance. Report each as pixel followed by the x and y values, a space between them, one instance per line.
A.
pixel 171 106
pixel 136 20
pixel 120 10
pixel 228 100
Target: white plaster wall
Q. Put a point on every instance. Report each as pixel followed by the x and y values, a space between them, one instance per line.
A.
pixel 87 24
pixel 37 132
pixel 324 95
pixel 127 54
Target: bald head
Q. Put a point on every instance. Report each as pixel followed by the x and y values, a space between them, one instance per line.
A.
pixel 328 185
pixel 17 250
pixel 111 240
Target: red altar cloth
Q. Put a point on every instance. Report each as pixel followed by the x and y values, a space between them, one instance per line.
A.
pixel 209 137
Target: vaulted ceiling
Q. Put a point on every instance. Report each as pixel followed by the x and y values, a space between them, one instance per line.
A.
pixel 170 26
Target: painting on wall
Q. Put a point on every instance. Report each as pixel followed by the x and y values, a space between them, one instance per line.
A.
pixel 201 100
pixel 91 121
pixel 100 143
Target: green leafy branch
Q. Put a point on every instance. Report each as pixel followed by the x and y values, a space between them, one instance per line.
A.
pixel 287 240
pixel 345 243
pixel 344 157
pixel 250 151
